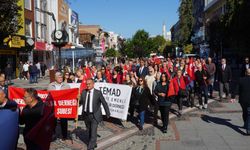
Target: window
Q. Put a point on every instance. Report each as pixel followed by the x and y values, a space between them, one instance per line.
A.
pixel 27 4
pixel 43 32
pixel 37 30
pixel 28 27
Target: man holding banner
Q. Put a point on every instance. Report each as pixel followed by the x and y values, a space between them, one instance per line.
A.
pixel 60 85
pixel 31 114
pixel 91 99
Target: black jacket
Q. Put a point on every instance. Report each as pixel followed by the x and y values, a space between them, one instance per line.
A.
pixel 243 70
pixel 98 99
pixel 12 105
pixel 143 99
pixel 143 73
pixel 244 90
pixel 225 75
pixel 8 71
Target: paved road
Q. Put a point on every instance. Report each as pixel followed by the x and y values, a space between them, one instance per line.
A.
pixel 218 128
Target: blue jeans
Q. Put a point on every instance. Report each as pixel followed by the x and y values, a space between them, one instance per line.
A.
pixel 33 78
pixel 142 118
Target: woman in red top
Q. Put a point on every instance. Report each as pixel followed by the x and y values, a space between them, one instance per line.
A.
pixel 180 89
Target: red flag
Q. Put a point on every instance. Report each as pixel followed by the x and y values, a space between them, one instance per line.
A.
pixel 88 72
pixel 171 90
pixel 108 76
pixel 190 70
pixel 42 133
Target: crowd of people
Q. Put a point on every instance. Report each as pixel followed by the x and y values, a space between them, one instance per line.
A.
pixel 156 84
pixel 31 71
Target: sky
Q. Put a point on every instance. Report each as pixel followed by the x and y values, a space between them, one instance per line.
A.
pixel 125 17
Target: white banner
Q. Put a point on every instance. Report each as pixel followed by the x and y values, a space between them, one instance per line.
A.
pixel 117 97
pixel 74 85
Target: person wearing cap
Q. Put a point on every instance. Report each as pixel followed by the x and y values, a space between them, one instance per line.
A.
pixel 58 84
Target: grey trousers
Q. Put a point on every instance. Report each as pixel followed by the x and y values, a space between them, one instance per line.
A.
pixel 91 125
pixel 223 86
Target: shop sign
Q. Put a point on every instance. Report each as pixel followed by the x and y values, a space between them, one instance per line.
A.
pixel 17 42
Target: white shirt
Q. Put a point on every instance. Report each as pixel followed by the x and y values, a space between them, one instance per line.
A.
pixel 247 66
pixel 38 66
pixel 90 101
pixel 25 67
pixel 141 69
pixel 58 86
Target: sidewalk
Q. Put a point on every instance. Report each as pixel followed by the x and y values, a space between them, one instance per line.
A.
pixel 186 132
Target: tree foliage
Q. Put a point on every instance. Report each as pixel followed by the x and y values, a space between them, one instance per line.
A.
pixel 232 30
pixel 186 21
pixel 111 53
pixel 188 49
pixel 141 45
pixel 157 44
pixel 9 18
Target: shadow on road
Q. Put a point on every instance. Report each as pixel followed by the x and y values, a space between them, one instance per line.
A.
pixel 221 121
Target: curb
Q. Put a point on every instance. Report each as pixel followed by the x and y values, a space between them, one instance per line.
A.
pixel 126 134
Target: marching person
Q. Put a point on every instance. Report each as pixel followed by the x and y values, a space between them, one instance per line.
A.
pixel 58 84
pixel 211 69
pixel 201 77
pixel 244 96
pixel 224 78
pixel 161 91
pixel 244 67
pixel 3 86
pixel 31 114
pixel 180 89
pixel 141 94
pixel 91 99
pixel 5 103
pixel 142 71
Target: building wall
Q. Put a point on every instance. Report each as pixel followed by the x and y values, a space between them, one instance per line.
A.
pixel 29 14
pixel 63 15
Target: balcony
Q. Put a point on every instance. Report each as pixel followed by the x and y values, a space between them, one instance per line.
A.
pixel 209 4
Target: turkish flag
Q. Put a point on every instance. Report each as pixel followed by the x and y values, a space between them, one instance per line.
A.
pixel 171 90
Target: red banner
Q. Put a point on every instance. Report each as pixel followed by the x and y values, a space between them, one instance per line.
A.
pixel 65 101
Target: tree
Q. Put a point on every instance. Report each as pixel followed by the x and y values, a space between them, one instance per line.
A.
pixel 157 44
pixel 186 21
pixel 9 18
pixel 188 49
pixel 169 49
pixel 140 43
pixel 111 53
pixel 236 21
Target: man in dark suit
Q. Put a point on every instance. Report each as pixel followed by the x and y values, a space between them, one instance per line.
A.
pixel 91 99
pixel 244 96
pixel 245 66
pixel 224 78
pixel 3 86
pixel 5 103
pixel 142 71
